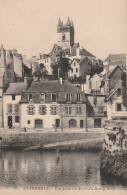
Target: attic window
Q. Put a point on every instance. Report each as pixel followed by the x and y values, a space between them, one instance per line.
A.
pixel 13 97
pixel 119 92
pixel 78 96
pixel 54 97
pixel 42 97
pixel 68 96
pixel 30 96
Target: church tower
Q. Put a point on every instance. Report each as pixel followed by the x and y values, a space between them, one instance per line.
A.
pixel 65 33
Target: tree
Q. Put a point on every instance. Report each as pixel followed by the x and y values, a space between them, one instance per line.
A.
pixel 41 72
pixel 61 67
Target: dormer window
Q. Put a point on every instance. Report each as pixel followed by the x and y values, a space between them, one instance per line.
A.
pixel 13 97
pixel 43 97
pixel 78 97
pixel 119 92
pixel 54 97
pixel 30 97
pixel 68 96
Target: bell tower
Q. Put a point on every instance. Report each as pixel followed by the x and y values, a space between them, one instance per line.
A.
pixel 65 33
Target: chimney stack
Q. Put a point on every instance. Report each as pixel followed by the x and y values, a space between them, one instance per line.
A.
pixel 60 81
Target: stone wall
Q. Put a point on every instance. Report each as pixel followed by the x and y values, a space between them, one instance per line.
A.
pixel 24 139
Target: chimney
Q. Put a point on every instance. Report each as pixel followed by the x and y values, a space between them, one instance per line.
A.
pixel 60 81
pixel 78 51
pixel 107 86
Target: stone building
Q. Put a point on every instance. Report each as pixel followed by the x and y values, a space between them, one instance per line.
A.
pixel 53 104
pixel 115 108
pixel 96 110
pixel 11 107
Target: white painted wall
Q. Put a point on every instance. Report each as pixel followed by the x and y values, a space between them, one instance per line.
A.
pixel 48 119
pixel 71 74
pixel 7 99
pixel 111 108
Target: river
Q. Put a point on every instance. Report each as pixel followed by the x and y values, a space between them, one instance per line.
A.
pixel 46 169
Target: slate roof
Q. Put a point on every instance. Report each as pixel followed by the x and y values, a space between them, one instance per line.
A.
pixel 117 86
pixel 109 74
pixel 53 86
pixel 116 57
pixel 15 88
pixel 85 53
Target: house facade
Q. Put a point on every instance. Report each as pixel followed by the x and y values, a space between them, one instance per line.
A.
pixel 110 79
pixel 115 108
pixel 11 106
pixel 52 104
pixel 96 110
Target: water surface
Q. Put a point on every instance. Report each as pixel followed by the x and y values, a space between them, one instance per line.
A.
pixel 47 169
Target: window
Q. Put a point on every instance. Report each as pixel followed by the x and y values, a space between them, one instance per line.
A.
pixel 78 97
pixel 119 92
pixel 31 110
pixel 10 108
pixel 53 110
pixel 78 110
pixel 63 37
pixel 74 63
pixel 100 110
pixel 16 119
pixel 42 110
pixel 54 97
pixel 68 110
pixel 68 96
pixel 28 122
pixel 30 96
pixel 13 97
pixel 42 97
pixel 118 107
pixel 16 107
pixel 76 69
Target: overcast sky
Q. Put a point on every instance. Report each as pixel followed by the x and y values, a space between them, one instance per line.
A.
pixel 30 25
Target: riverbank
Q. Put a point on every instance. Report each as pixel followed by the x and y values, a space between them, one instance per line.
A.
pixel 114 165
pixel 92 140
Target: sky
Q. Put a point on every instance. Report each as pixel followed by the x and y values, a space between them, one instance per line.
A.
pixel 30 26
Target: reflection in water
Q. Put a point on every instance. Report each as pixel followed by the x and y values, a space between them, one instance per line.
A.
pixel 51 169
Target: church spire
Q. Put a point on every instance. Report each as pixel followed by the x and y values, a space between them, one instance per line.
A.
pixel 59 22
pixel 72 24
pixel 68 21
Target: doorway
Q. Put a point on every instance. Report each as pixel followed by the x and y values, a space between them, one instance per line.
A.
pixel 57 123
pixel 72 123
pixel 38 123
pixel 97 123
pixel 10 122
pixel 81 123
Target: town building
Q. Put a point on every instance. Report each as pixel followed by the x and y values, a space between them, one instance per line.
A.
pixel 52 104
pixel 114 60
pixel 115 108
pixel 11 107
pixel 96 110
pixel 110 78
pixel 64 45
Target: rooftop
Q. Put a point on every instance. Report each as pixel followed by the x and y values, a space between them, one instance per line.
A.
pixel 16 88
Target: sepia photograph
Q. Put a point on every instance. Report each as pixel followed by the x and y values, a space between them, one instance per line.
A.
pixel 63 96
